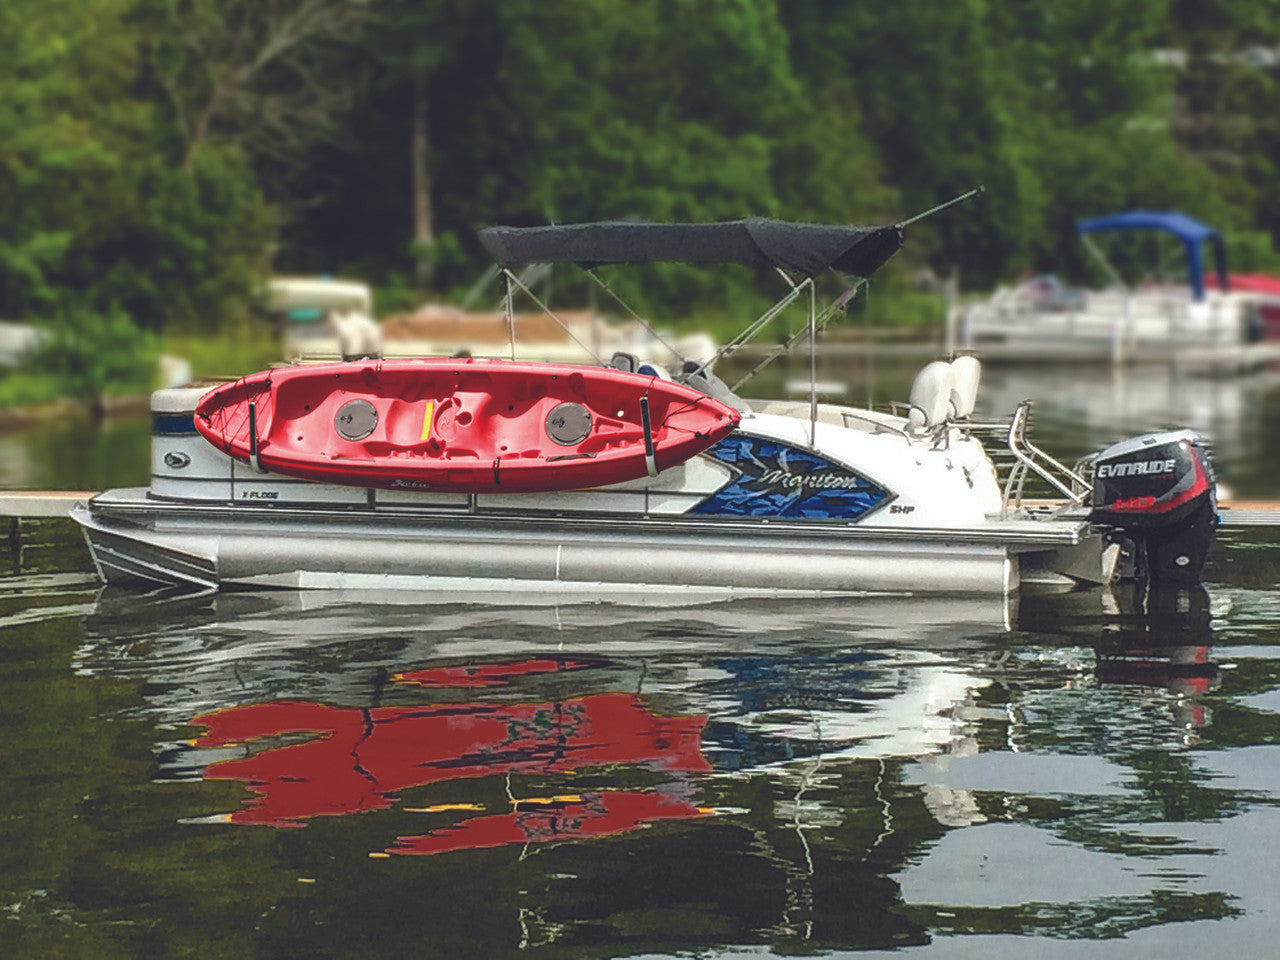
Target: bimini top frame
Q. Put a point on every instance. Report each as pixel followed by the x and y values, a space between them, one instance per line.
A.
pixel 1192 233
pixel 798 251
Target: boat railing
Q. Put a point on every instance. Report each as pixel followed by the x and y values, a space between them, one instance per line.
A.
pixel 1028 459
pixel 853 418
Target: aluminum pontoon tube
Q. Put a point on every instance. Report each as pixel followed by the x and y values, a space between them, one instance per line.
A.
pixel 272 547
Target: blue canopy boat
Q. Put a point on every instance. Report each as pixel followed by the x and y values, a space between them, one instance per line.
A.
pixel 1202 320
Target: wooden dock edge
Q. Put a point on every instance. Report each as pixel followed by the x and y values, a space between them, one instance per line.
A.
pixel 1249 513
pixel 34 504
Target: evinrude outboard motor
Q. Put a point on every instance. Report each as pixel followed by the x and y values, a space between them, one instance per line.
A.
pixel 1158 490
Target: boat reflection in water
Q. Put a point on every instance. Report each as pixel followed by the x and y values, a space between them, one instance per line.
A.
pixel 610 734
pixel 1162 640
pixel 808 775
pixel 361 759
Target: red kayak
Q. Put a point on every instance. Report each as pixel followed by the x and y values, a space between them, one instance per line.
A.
pixel 468 426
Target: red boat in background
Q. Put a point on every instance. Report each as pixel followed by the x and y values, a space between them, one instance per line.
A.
pixel 466 426
pixel 1266 304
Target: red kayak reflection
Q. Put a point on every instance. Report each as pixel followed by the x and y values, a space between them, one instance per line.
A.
pixel 356 760
pixel 556 818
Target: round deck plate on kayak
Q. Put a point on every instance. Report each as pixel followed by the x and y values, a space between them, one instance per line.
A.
pixel 356 419
pixel 568 424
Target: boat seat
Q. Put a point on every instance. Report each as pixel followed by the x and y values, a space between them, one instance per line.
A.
pixel 965 374
pixel 626 362
pixel 631 363
pixel 697 375
pixel 930 399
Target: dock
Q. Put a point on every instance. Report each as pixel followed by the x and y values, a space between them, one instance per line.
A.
pixel 33 504
pixel 18 505
pixel 1249 513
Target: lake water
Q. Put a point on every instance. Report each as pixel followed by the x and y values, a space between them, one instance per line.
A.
pixel 284 774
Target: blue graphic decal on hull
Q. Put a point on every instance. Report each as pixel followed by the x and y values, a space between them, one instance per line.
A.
pixel 777 480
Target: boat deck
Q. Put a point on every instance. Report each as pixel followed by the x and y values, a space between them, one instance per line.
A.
pixel 35 504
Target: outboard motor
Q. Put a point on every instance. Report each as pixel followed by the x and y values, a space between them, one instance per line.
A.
pixel 1158 489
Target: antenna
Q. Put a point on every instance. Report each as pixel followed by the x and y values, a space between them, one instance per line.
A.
pixel 942 206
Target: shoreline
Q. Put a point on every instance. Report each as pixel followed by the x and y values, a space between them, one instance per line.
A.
pixel 13 419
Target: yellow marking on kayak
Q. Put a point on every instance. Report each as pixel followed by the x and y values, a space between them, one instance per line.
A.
pixel 561 798
pixel 444 808
pixel 426 418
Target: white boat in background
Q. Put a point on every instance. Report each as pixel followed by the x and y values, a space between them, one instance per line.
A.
pixel 572 336
pixel 322 320
pixel 1227 324
pixel 803 499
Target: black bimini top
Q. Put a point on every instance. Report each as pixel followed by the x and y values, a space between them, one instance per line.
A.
pixel 798 248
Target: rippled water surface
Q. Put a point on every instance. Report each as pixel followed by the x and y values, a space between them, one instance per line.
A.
pixel 284 774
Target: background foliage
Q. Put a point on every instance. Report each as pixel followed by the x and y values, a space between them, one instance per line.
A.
pixel 158 158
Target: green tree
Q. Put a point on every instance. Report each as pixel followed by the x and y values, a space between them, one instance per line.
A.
pixel 98 211
pixel 928 78
pixel 157 156
pixel 562 111
pixel 55 139
pixel 1227 81
pixel 1061 110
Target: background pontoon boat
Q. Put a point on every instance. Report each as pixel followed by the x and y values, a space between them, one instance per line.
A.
pixel 1222 322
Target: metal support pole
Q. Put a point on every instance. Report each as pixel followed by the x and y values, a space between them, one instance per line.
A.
pixel 511 317
pixel 600 283
pixel 511 278
pixel 813 366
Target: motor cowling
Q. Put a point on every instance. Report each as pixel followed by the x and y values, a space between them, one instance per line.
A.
pixel 1158 489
